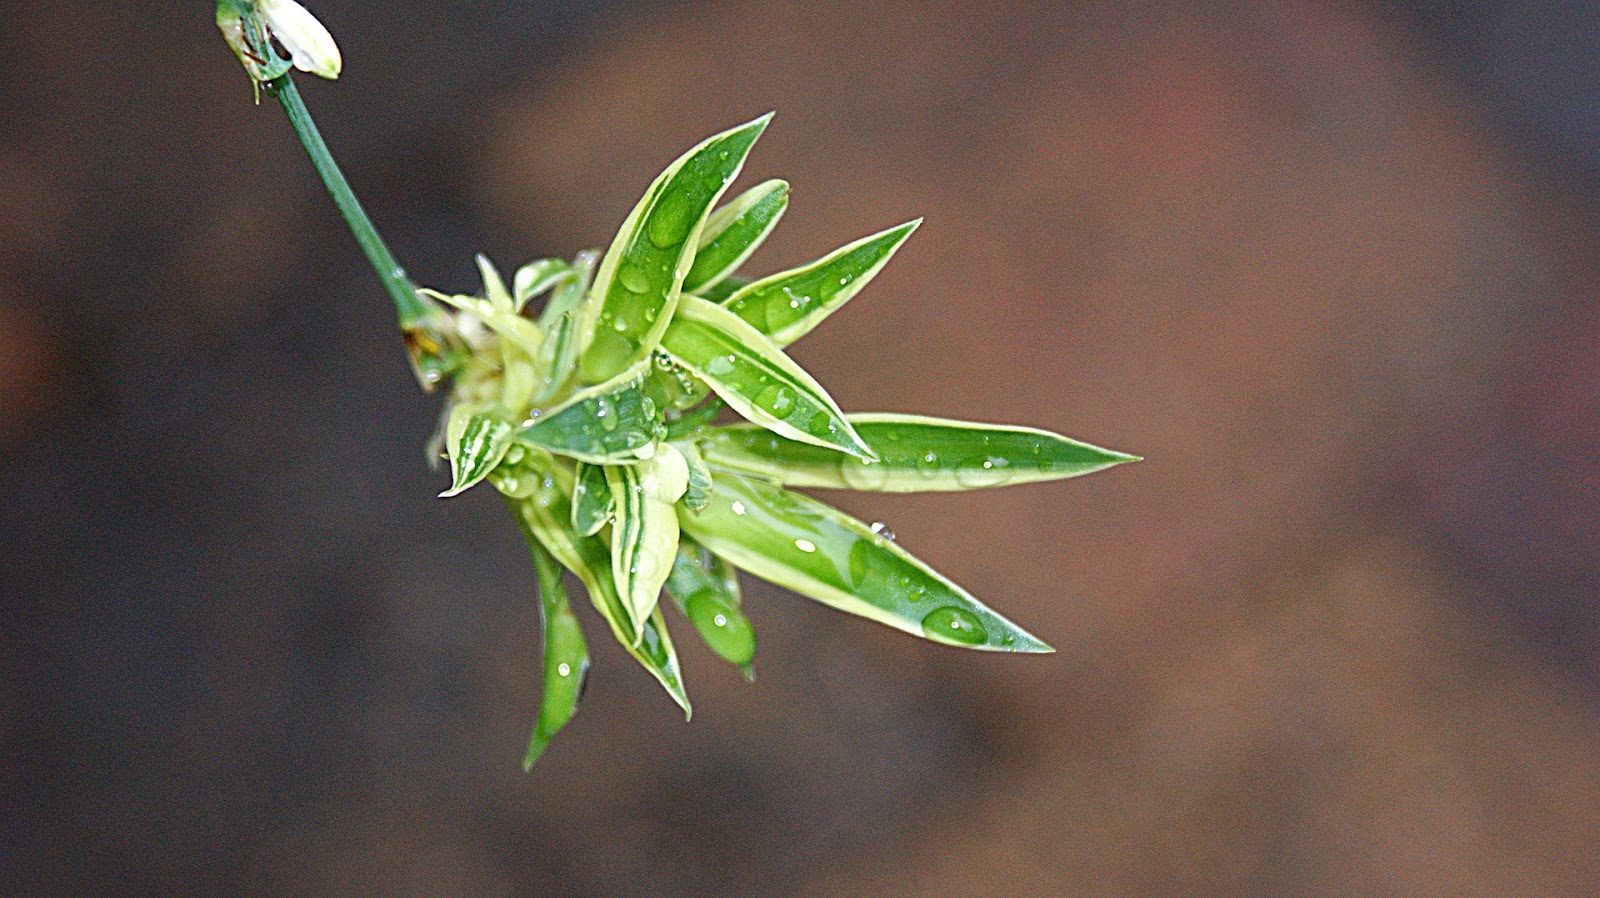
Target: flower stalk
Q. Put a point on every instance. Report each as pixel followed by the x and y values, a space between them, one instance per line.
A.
pixel 426 328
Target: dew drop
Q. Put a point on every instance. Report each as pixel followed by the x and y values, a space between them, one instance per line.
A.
pixel 776 399
pixel 738 507
pixel 720 366
pixel 633 277
pixel 957 626
pixel 981 472
pixel 805 545
pixel 861 474
pixel 669 221
pixel 928 463
pixel 821 425
pixel 564 669
pixel 879 528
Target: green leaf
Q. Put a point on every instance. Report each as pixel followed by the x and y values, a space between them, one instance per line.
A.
pixel 710 600
pixel 722 290
pixel 557 358
pixel 698 492
pixel 915 454
pixel 735 231
pixel 644 533
pixel 787 305
pixel 607 426
pixel 673 386
pixel 690 423
pixel 544 516
pixel 566 656
pixel 571 291
pixel 817 551
pixel 476 438
pixel 642 272
pixel 755 377
pixel 538 276
pixel 494 286
pixel 591 500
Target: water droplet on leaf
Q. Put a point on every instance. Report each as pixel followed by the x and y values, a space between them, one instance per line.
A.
pixel 954 625
pixel 633 277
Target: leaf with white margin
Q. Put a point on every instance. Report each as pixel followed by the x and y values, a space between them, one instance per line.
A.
pixel 916 454
pixel 544 516
pixel 755 377
pixel 476 438
pixel 644 530
pixel 820 552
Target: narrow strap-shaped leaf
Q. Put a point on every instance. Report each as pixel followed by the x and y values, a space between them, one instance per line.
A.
pixel 557 358
pixel 690 423
pixel 476 438
pixel 735 231
pixel 494 286
pixel 598 427
pixel 709 603
pixel 591 500
pixel 536 277
pixel 722 290
pixel 639 278
pixel 558 354
pixel 820 552
pixel 785 306
pixel 644 534
pixel 572 291
pixel 566 656
pixel 915 454
pixel 544 515
pixel 755 377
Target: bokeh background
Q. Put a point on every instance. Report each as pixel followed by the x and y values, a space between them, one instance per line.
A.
pixel 1333 268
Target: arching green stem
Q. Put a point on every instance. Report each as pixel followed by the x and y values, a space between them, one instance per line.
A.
pixel 430 341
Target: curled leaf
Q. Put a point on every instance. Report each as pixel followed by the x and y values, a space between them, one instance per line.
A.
pixel 476 439
pixel 644 533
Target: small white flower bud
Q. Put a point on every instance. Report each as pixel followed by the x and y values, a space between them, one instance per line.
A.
pixel 308 42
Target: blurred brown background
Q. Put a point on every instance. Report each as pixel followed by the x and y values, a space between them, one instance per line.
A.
pixel 1332 268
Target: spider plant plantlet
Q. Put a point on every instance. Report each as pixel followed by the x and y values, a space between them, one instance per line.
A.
pixel 586 393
